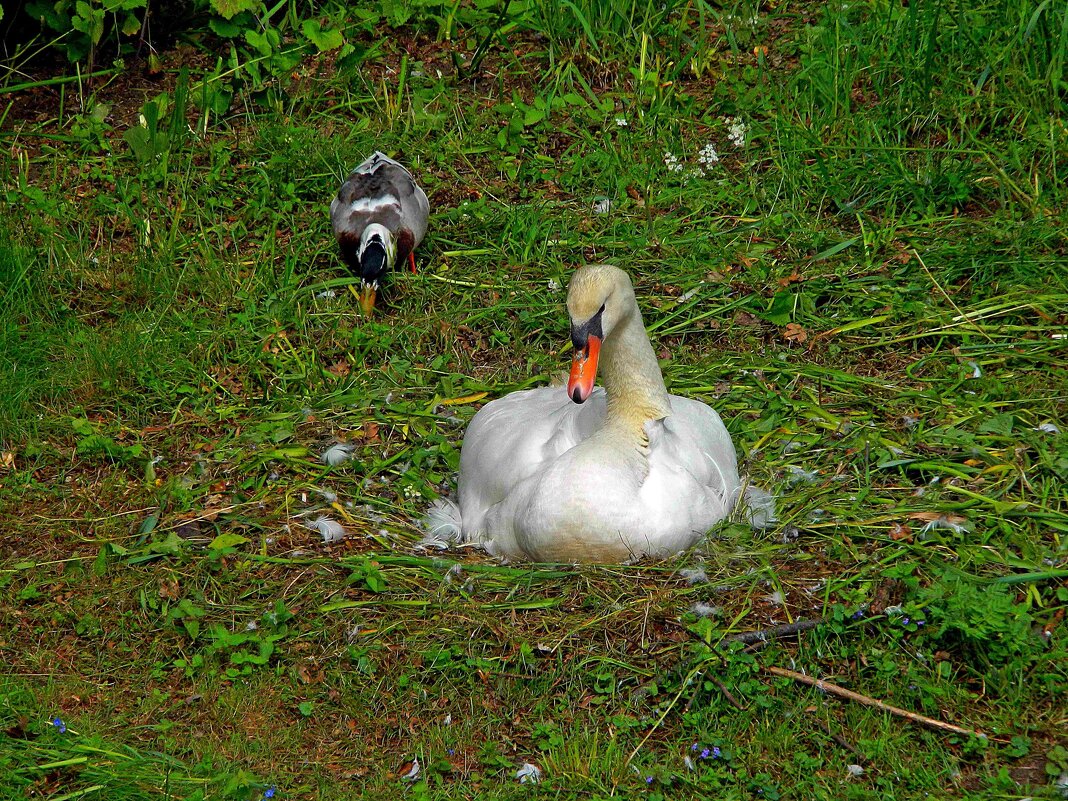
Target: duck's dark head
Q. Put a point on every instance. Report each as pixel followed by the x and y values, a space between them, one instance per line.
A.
pixel 374 257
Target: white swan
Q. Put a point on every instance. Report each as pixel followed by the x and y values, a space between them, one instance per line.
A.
pixel 594 475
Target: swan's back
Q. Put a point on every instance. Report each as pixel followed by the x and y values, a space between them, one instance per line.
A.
pixel 516 437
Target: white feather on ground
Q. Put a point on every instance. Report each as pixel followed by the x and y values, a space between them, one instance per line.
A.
pixel 528 773
pixel 705 610
pixel 337 454
pixel 442 525
pixel 758 507
pixel 693 575
pixel 328 528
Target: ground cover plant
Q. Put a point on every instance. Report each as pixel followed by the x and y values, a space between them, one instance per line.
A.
pixel 845 225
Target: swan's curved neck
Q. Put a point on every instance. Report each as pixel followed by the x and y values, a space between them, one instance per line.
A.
pixel 632 377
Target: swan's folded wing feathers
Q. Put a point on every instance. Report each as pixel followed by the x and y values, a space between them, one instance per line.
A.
pixel 698 442
pixel 512 438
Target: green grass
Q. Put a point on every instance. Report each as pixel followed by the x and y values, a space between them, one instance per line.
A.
pixel 870 291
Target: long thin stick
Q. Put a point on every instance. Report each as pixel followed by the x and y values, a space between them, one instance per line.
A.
pixel 842 741
pixel 842 692
pixel 763 635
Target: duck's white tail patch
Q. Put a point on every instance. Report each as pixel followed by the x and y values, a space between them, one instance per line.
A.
pixel 443 525
pixel 758 507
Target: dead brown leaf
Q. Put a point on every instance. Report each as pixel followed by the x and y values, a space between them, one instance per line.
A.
pixel 901 532
pixel 369 431
pixel 340 368
pixel 795 333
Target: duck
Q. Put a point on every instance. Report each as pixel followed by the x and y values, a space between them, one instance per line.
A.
pixel 584 473
pixel 379 217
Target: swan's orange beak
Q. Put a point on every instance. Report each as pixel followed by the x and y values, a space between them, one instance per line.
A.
pixel 584 369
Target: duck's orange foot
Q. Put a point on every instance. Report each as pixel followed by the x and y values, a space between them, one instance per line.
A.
pixel 411 260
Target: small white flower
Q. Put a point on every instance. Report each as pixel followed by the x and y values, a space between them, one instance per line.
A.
pixel 448 720
pixel 736 131
pixel 704 610
pixel 554 285
pixel 671 161
pixel 328 528
pixel 528 773
pixel 621 122
pixel 708 156
pixel 411 492
pixel 337 454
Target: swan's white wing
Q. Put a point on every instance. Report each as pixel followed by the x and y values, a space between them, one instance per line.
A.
pixel 513 438
pixel 693 468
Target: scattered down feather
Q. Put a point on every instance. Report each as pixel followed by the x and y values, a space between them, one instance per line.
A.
pixel 337 454
pixel 328 528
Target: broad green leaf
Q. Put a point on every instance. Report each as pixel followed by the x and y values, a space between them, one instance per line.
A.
pixel 227 541
pixel 228 9
pixel 259 41
pixel 323 40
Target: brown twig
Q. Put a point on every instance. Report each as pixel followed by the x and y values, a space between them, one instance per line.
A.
pixel 726 693
pixel 774 632
pixel 849 695
pixel 842 741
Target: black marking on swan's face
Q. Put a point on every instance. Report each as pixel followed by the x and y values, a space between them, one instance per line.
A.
pixel 580 332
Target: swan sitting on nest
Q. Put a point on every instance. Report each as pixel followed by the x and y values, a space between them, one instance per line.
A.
pixel 590 474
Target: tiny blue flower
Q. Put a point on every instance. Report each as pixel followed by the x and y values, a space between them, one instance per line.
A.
pixel 905 621
pixel 450 751
pixel 857 615
pixel 648 779
pixel 694 747
pixel 268 793
pixel 705 754
pixel 715 751
pixel 920 622
pixel 59 724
